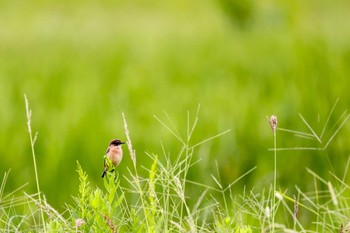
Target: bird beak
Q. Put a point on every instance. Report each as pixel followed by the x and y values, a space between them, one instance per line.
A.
pixel 122 142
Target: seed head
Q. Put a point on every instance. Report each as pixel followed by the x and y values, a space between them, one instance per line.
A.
pixel 296 209
pixel 273 123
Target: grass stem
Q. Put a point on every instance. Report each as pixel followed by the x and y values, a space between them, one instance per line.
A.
pixel 274 181
pixel 32 143
pixel 137 180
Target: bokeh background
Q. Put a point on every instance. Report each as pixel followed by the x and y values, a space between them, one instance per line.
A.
pixel 82 63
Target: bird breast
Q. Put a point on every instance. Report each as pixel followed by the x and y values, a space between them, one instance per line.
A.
pixel 115 155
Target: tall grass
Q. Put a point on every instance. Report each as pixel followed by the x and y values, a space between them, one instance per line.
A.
pixel 32 143
pixel 164 201
pixel 273 125
pixel 161 51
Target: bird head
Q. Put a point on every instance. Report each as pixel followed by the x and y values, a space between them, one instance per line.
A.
pixel 116 142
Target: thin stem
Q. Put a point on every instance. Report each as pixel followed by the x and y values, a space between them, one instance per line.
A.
pixel 274 181
pixel 136 177
pixel 32 142
pixel 329 117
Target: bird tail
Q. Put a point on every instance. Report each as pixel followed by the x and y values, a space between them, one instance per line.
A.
pixel 103 174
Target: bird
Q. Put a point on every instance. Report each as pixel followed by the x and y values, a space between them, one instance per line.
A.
pixel 114 155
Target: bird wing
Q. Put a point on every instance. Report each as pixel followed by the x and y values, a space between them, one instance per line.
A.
pixel 105 167
pixel 105 164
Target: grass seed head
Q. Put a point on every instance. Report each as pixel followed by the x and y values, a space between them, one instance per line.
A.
pixel 273 123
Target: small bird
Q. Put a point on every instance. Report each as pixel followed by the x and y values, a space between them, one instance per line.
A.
pixel 114 155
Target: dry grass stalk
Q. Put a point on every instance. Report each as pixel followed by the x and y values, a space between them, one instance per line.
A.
pixel 296 209
pixel 128 141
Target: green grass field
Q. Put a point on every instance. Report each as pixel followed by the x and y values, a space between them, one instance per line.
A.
pixel 81 64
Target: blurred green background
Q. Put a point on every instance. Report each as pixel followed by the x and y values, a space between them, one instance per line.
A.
pixel 83 63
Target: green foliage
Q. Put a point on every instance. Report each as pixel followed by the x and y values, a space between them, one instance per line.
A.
pixel 162 202
pixel 228 225
pixel 109 163
pixel 136 225
pixel 84 192
pixel 243 229
pixel 54 226
pixel 80 65
pixel 153 205
pixel 95 208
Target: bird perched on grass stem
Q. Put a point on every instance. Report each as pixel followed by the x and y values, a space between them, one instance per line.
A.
pixel 113 156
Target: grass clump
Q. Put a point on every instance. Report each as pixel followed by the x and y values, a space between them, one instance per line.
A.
pixel 167 200
pixel 95 209
pixel 157 203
